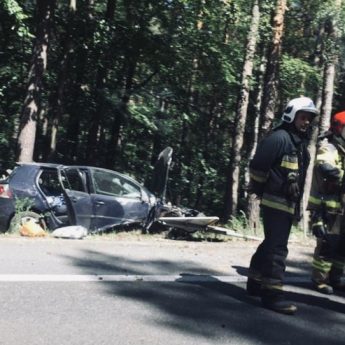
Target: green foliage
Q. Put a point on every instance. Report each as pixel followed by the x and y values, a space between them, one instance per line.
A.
pixel 297 77
pixel 23 204
pixel 240 225
pixel 122 86
pixel 15 10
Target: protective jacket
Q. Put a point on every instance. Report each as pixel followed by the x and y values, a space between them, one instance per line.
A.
pixel 327 209
pixel 326 189
pixel 279 155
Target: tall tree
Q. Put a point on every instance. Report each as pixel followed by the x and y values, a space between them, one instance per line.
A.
pixel 103 63
pixel 269 93
pixel 28 120
pixel 271 77
pixel 58 97
pixel 332 38
pixel 241 114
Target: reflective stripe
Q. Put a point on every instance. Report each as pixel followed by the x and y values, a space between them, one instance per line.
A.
pixel 289 165
pixel 278 203
pixel 258 176
pixel 322 265
pixel 332 204
pixel 290 162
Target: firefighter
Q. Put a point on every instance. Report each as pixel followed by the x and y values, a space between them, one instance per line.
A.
pixel 327 208
pixel 278 172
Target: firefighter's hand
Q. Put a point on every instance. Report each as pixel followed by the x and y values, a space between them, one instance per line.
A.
pixel 319 230
pixel 293 191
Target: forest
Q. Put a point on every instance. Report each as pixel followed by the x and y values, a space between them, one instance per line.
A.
pixel 111 83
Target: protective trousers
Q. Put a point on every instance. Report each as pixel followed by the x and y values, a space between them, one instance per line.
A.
pixel 269 261
pixel 328 258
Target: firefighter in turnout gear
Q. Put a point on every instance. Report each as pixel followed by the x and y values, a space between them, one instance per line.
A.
pixel 278 172
pixel 326 203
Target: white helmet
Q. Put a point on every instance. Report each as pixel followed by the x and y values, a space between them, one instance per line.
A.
pixel 298 104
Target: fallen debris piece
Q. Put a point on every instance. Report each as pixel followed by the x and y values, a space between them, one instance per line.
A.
pixel 228 232
pixel 32 229
pixel 189 224
pixel 72 232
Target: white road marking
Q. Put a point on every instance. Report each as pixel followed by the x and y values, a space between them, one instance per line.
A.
pixel 131 278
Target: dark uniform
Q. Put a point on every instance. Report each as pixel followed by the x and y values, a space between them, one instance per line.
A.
pixel 278 172
pixel 328 220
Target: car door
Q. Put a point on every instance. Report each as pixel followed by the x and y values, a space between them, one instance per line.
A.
pixel 78 199
pixel 116 199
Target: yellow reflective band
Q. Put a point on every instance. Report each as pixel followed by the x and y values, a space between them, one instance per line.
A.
pixel 278 206
pixel 332 204
pixel 315 201
pixel 317 223
pixel 321 265
pixel 289 165
pixel 328 203
pixel 258 176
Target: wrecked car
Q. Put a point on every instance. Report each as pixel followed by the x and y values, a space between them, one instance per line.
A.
pixel 59 195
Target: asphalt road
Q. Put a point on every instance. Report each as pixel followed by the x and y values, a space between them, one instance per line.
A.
pixel 152 291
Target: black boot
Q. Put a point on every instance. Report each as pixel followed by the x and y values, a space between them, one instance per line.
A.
pixel 274 299
pixel 253 287
pixel 323 288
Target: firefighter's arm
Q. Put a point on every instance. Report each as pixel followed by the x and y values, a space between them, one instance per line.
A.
pixel 328 166
pixel 268 151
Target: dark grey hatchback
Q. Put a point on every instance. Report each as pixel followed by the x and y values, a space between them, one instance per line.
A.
pixel 61 195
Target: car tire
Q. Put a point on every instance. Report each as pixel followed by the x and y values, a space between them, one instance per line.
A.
pixel 22 217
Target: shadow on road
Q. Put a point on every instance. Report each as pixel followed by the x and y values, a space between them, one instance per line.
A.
pixel 212 309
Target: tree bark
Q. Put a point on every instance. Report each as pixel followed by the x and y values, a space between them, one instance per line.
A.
pixel 58 102
pixel 269 95
pixel 325 98
pixel 241 114
pixel 28 120
pixel 98 113
pixel 271 77
pixel 253 203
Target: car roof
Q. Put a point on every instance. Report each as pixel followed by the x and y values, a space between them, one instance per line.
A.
pixel 39 164
pixel 62 166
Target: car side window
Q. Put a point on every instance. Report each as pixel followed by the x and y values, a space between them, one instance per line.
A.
pixel 75 180
pixel 49 182
pixel 108 183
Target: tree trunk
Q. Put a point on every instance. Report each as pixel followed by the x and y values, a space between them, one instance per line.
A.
pixel 253 209
pixel 269 96
pixel 28 120
pixel 241 114
pixel 332 33
pixel 98 113
pixel 318 61
pixel 59 97
pixel 271 77
pixel 120 116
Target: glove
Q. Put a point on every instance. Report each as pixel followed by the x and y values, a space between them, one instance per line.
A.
pixel 292 189
pixel 319 230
